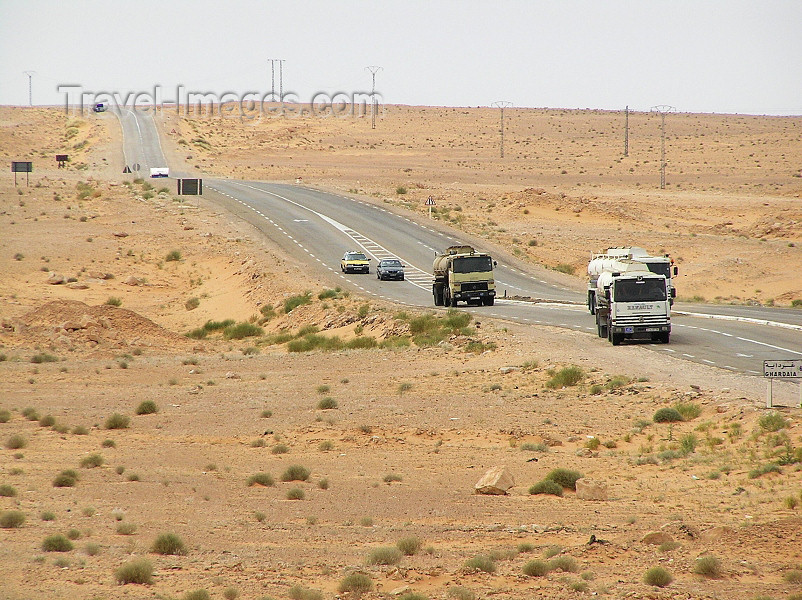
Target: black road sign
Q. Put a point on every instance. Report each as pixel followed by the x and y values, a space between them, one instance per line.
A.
pixel 190 187
pixel 21 167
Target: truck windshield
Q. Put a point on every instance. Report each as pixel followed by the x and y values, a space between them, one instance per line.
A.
pixel 643 290
pixel 473 264
pixel 663 269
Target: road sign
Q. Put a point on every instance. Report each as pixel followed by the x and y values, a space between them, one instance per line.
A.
pixel 782 369
pixel 127 169
pixel 430 201
pixel 62 159
pixel 190 187
pixel 18 166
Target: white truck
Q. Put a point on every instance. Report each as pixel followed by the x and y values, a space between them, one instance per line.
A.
pixel 630 301
pixel 659 264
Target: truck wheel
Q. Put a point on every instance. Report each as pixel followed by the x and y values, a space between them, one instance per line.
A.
pixel 437 292
pixel 489 301
pixel 452 301
pixel 592 303
pixel 616 338
pixel 602 329
pixel 665 337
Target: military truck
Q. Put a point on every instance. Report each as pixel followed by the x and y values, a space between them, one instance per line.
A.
pixel 463 274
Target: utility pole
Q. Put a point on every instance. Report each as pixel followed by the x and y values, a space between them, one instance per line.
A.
pixel 663 109
pixel 30 75
pixel 272 79
pixel 626 131
pixel 281 80
pixel 502 104
pixel 373 70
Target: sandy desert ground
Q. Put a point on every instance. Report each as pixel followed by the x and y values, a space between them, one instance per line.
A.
pixel 394 437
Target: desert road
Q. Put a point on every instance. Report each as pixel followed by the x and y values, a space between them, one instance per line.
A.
pixel 317 227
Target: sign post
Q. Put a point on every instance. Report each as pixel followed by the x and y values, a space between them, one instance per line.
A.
pixel 430 203
pixel 21 167
pixel 781 369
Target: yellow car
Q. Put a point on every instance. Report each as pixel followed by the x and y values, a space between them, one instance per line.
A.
pixel 355 262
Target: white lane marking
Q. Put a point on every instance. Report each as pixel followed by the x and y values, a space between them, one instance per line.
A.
pixel 772 346
pixel 739 319
pixel 377 251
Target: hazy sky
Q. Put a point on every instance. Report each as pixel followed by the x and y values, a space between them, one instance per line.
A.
pixel 730 56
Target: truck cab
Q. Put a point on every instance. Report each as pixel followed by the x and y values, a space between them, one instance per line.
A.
pixel 632 302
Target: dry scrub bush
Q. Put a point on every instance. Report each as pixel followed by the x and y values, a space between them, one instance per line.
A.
pixel 139 571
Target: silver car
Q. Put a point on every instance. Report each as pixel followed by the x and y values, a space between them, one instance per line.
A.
pixel 390 268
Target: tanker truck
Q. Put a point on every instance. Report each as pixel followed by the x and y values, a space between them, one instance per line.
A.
pixel 462 273
pixel 630 301
pixel 661 265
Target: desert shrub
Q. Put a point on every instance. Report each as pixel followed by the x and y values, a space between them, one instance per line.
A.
pixel 5 416
pixel 113 301
pixel 230 593
pixel 266 414
pixel 126 528
pixel 480 563
pixel 687 443
pixel 413 596
pixel 793 576
pixel 536 568
pixel 667 415
pixel 297 592
pixel 708 566
pixel 400 190
pixel 168 543
pixel 56 543
pixel 356 583
pixel 173 255
pixel 241 330
pixel 192 303
pixel 688 410
pixel 530 447
pixel 323 484
pixel 80 430
pixel 117 421
pixel 763 470
pixel 258 443
pixel 47 515
pixel 658 577
pixel 565 268
pixel 73 534
pixel 668 546
pixel 92 460
pixel 139 570
pixel 295 473
pixel 524 547
pixel 459 592
pixel 361 343
pixel 295 494
pixel 47 421
pixel 280 449
pixel 563 563
pixel 11 519
pixel 772 422
pixel 133 477
pixel 565 477
pixel 327 403
pixel 8 491
pixel 409 545
pixel 566 377
pixel 325 446
pixel 546 486
pixel 617 382
pixel 147 407
pixel 264 479
pixel 294 302
pixel 596 389
pixel 43 357
pixel 386 555
pixel 108 443
pixel 92 549
pixel 16 441
pixel 392 478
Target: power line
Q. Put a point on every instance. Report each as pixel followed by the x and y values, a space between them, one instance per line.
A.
pixel 663 109
pixel 30 75
pixel 502 104
pixel 626 131
pixel 373 70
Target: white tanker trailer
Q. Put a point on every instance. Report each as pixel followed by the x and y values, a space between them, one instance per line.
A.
pixel 660 265
pixel 630 301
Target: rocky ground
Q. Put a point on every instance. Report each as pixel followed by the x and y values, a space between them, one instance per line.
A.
pixel 396 421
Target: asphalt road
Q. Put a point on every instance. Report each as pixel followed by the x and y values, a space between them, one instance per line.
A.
pixel 318 227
